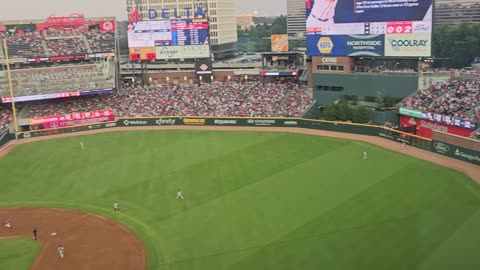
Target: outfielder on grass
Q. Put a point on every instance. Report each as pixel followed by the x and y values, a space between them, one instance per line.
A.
pixel 116 206
pixel 179 194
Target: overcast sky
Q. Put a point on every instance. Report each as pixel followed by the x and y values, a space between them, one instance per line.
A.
pixel 39 9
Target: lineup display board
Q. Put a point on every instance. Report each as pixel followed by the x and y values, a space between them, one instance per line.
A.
pixel 394 28
pixel 170 39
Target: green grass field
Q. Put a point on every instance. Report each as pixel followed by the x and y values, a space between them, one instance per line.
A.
pixel 257 200
pixel 18 253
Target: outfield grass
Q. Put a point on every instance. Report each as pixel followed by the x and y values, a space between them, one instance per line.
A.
pixel 257 200
pixel 18 253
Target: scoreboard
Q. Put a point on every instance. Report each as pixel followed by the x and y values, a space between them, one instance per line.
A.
pixel 149 40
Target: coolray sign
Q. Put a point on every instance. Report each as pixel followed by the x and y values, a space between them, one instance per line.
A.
pixel 441 147
pixel 225 122
pixel 174 13
pixel 194 121
pixel 408 44
pixel 261 122
pixel 182 52
pixel 135 122
pixel 165 121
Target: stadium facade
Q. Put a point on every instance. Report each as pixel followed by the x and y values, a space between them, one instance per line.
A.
pixel 296 14
pixel 221 14
pixel 456 11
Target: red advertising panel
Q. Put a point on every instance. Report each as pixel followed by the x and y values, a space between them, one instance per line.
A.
pixel 74 119
pixel 107 26
pixel 425 127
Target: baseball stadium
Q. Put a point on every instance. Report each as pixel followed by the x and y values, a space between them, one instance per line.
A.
pixel 170 159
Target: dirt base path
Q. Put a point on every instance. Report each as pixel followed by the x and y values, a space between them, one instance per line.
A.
pixel 91 242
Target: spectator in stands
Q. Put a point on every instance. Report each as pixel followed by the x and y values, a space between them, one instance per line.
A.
pixel 216 99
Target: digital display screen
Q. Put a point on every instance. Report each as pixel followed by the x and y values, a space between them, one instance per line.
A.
pixel 369 27
pixel 150 40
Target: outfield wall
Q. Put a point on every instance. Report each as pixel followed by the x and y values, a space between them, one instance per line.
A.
pixel 370 130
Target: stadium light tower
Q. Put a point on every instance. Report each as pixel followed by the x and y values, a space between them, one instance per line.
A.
pixel 9 76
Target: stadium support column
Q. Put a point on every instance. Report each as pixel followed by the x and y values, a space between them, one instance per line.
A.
pixel 9 76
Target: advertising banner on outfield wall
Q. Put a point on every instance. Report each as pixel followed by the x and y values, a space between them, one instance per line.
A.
pixel 456 152
pixel 425 127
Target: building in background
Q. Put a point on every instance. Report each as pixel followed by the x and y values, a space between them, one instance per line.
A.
pixel 221 14
pixel 296 17
pixel 456 11
pixel 245 21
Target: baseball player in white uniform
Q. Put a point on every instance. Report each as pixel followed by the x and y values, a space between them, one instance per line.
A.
pixel 116 206
pixel 179 194
pixel 365 156
pixel 82 145
pixel 61 251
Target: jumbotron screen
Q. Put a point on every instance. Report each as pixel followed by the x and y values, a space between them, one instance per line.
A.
pixel 396 28
pixel 170 39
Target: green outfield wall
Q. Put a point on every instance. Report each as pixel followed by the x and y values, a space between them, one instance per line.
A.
pixel 330 87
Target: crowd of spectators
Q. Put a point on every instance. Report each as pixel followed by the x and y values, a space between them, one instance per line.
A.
pixel 459 99
pixel 68 45
pixel 57 43
pixel 216 99
pixel 101 41
pixel 27 45
pixel 5 118
pixel 296 103
pixel 67 78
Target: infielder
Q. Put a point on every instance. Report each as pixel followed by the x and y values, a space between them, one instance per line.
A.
pixel 35 233
pixel 322 13
pixel 82 145
pixel 61 251
pixel 365 155
pixel 116 206
pixel 7 224
pixel 179 194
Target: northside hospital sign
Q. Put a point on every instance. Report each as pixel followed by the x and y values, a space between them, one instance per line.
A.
pixel 167 14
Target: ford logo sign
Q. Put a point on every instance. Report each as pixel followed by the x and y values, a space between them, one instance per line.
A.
pixel 441 147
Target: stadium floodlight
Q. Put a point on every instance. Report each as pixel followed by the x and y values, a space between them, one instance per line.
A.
pixel 9 76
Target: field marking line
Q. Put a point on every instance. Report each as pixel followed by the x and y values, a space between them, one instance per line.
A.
pixel 7 145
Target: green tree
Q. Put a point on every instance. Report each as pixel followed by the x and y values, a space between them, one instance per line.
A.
pixel 361 115
pixel 456 45
pixel 343 112
pixel 330 112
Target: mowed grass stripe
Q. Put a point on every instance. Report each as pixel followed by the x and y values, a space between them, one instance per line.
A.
pixel 267 210
pixel 254 200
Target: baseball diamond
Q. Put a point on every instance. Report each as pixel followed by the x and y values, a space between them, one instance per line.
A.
pixel 184 135
pixel 254 198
